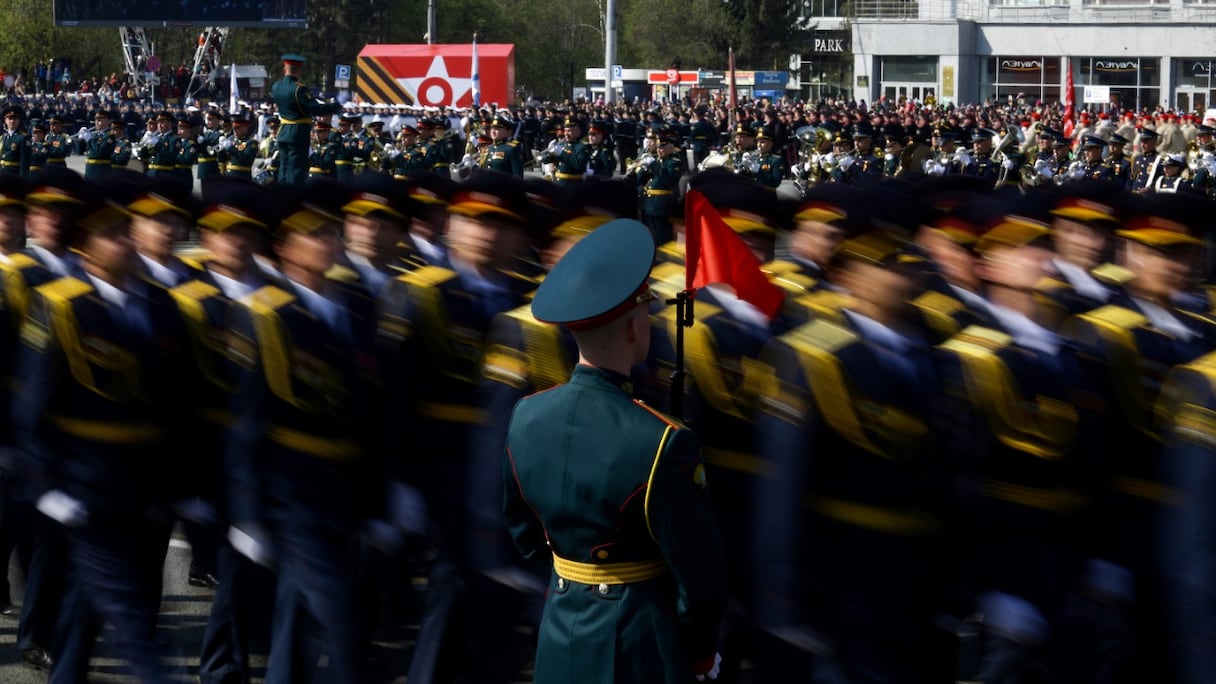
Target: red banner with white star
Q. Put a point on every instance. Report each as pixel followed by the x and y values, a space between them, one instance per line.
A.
pixel 435 75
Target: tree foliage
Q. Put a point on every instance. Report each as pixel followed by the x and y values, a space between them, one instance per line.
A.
pixel 555 40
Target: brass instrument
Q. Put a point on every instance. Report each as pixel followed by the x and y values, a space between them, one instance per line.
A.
pixel 811 139
pixel 1070 173
pixel 999 157
pixel 632 166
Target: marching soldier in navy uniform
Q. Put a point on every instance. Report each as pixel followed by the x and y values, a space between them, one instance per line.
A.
pixel 58 143
pixel 1120 166
pixel 35 536
pixel 1138 336
pixel 162 217
pixel 53 205
pixel 296 109
pixel 1031 472
pixel 14 144
pixel 376 222
pixel 431 330
pixel 572 162
pixel 771 170
pixel 1146 166
pixel 850 469
pixel 1185 409
pixel 302 462
pixel 503 155
pixel 208 149
pixel 820 224
pixel 619 565
pixel 237 152
pixel 106 391
pixel 659 182
pixel 1080 276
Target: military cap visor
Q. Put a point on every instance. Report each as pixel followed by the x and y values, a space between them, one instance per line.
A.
pixel 226 217
pixel 1084 210
pixel 367 204
pixel 1012 232
pixel 294 59
pixel 1158 231
pixel 152 205
pixel 600 279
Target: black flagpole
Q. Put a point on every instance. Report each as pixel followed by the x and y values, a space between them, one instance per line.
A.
pixel 684 318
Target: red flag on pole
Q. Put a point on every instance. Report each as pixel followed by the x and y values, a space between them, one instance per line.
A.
pixel 716 254
pixel 1068 91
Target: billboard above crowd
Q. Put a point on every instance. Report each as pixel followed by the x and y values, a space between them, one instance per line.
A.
pixel 176 13
pixel 435 75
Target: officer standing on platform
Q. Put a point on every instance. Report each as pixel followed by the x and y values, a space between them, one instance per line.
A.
pixel 296 107
pixel 638 583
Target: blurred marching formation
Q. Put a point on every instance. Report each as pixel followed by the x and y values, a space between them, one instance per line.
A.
pixel 952 428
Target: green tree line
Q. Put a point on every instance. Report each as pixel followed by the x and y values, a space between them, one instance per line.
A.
pixel 555 40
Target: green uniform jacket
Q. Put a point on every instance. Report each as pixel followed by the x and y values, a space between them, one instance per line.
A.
pixel 610 486
pixel 297 107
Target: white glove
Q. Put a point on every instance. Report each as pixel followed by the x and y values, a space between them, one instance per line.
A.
pixel 406 508
pixel 937 169
pixel 713 671
pixel 846 161
pixel 964 158
pixel 889 157
pixel 226 143
pixel 63 509
pixel 199 140
pixel 196 510
pixel 828 159
pixel 1009 165
pixel 84 134
pixel 1040 164
pixel 252 542
pixel 1077 173
pixel 393 152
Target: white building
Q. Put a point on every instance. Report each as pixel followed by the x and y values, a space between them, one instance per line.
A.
pixel 1147 52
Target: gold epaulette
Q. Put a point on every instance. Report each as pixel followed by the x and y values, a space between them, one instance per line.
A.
pixel 1047 285
pixel 977 336
pixel 195 290
pixel 427 276
pixel 268 298
pixel 544 359
pixel 273 338
pixel 885 431
pixel 825 304
pixel 939 310
pixel 513 143
pixel 780 266
pixel 22 261
pixel 1119 317
pixel 1185 403
pixel 342 274
pixel 190 297
pixel 1113 274
pixel 59 295
pixel 16 290
pixel 64 289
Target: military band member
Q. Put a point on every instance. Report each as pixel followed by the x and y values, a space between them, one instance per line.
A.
pixel 120 154
pixel 660 182
pixel 981 164
pixel 408 156
pixel 623 563
pixel 208 148
pixel 188 147
pixel 98 146
pixel 1172 179
pixel 237 152
pixel 14 144
pixel 296 108
pixel 268 149
pixel 346 144
pixel 38 146
pixel 702 136
pixel 771 168
pixel 58 143
pixel 892 165
pixel 866 166
pixel 572 162
pixel 1120 165
pixel 322 156
pixel 504 154
pixel 600 163
pixel 1092 166
pixel 162 154
pixel 1146 166
pixel 1202 162
pixel 946 160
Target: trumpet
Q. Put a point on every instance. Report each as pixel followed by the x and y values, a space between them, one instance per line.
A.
pixel 632 166
pixel 1075 171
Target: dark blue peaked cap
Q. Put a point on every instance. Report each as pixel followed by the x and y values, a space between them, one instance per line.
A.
pixel 599 279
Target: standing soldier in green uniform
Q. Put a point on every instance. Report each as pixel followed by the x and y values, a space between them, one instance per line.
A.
pixel 614 490
pixel 660 181
pixel 771 169
pixel 600 164
pixel 346 145
pixel 296 106
pixel 38 146
pixel 162 154
pixel 188 149
pixel 572 161
pixel 408 156
pixel 120 154
pixel 208 160
pixel 98 146
pixel 504 155
pixel 14 144
pixel 268 149
pixel 238 151
pixel 701 137
pixel 58 143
